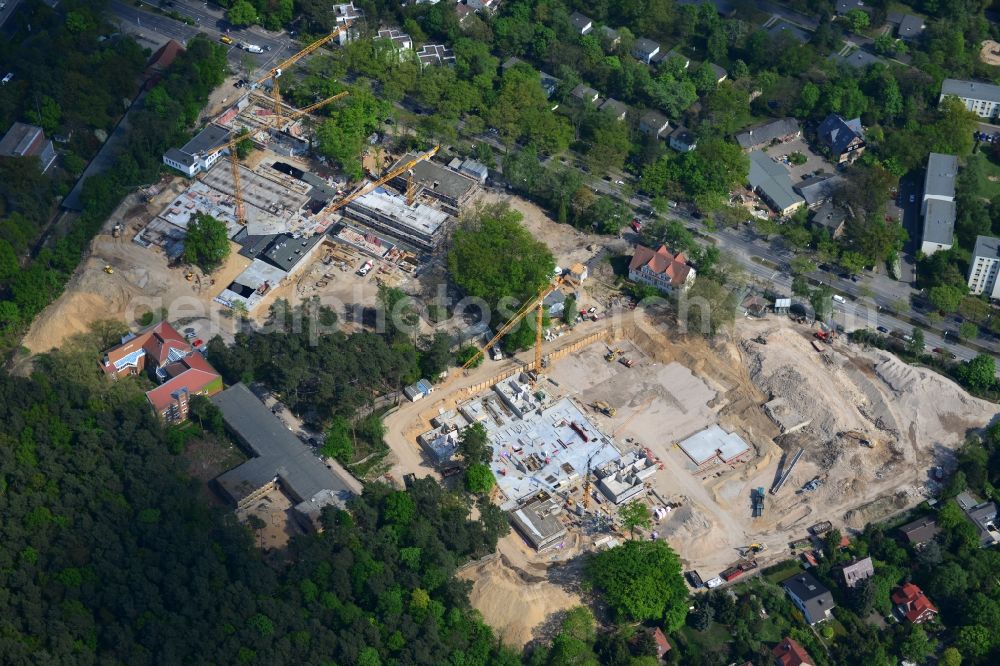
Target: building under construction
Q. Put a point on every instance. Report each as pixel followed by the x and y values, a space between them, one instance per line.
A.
pixel 538 447
pixel 451 189
pixel 416 224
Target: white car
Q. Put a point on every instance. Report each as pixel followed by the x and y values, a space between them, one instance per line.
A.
pixel 7 78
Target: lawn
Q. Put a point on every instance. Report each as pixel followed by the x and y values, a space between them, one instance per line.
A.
pixel 781 571
pixel 989 170
pixel 713 639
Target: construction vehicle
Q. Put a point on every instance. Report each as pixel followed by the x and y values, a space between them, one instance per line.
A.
pixel 627 362
pixel 860 437
pixel 821 528
pixel 108 269
pixel 812 485
pixel 612 354
pixel 817 346
pixel 757 502
pixel 116 231
pixel 275 72
pixel 189 277
pixel 753 549
pixel 365 189
pixel 604 408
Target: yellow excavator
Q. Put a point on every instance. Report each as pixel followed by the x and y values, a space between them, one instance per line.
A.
pixel 108 269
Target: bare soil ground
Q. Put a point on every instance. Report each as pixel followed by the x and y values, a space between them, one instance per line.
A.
pixel 990 52
pixel 522 596
pixel 275 509
pixel 142 280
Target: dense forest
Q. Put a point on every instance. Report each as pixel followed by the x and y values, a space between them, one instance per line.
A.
pixel 110 553
pixel 77 77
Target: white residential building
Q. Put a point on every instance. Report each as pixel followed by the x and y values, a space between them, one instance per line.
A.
pixel 980 98
pixel 348 13
pixel 938 203
pixel 984 267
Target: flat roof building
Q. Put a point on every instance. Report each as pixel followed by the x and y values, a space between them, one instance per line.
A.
pixel 451 189
pixel 910 27
pixel 982 99
pixel 538 522
pixel 193 157
pixel 984 267
pixel 624 480
pixel 713 446
pixel 279 460
pixel 417 225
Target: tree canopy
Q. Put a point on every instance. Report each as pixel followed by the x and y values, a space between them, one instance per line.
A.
pixel 206 243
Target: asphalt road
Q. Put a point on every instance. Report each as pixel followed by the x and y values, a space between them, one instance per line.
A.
pixel 210 21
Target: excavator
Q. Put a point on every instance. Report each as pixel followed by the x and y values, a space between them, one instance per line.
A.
pixel 753 549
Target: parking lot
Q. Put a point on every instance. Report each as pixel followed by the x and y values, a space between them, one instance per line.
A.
pixel 814 162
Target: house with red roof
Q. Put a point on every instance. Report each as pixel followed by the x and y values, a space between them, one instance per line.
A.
pixel 911 603
pixel 661 268
pixel 789 653
pixel 166 356
pixel 662 645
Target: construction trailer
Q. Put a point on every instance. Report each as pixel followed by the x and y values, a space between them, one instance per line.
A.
pixel 757 499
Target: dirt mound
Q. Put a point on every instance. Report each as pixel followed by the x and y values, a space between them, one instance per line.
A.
pixel 990 52
pixel 518 605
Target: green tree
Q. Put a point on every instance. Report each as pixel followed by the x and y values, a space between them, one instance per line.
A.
pixel 968 330
pixel 569 311
pixel 974 640
pixel 974 309
pixel 946 297
pixel 950 657
pixel 496 231
pixel 242 13
pixel 634 515
pixel 479 479
pixel 916 647
pixel 339 443
pixel 641 581
pixel 207 242
pixel 916 344
pixel 474 444
pixel 979 373
pixel 800 265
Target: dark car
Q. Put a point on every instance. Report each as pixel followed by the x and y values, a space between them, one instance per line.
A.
pixel 882 329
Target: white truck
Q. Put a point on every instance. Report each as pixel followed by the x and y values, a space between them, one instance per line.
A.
pixel 251 48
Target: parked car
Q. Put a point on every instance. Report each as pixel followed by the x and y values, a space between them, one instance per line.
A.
pixel 226 39
pixel 6 79
pixel 883 329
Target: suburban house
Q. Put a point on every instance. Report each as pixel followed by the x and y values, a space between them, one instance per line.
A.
pixel 720 72
pixel 673 54
pixel 775 131
pixel 910 27
pixel 585 94
pixel 279 461
pixel 582 24
pixel 345 14
pixel 660 268
pixel 983 516
pixel 984 267
pixel 980 98
pixel 844 6
pixel 844 139
pixel 399 39
pixel 463 12
pixel 195 155
pixel 909 602
pixel 682 140
pixel 487 6
pixel 180 371
pixel 654 124
pixel 163 58
pixel 617 109
pixel 857 571
pixel 810 597
pixel 817 190
pixel 921 531
pixel 645 49
pixel 831 217
pixel 662 645
pixel 770 180
pixel 610 36
pixel 435 54
pixel 23 140
pixel 789 653
pixel 938 203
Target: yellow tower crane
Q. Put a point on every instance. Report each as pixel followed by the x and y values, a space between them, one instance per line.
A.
pixel 365 189
pixel 275 72
pixel 538 305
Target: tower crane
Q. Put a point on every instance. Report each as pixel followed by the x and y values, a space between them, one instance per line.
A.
pixel 275 72
pixel 234 164
pixel 537 304
pixel 295 115
pixel 365 189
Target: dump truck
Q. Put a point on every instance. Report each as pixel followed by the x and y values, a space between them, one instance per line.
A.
pixel 604 408
pixel 821 528
pixel 627 362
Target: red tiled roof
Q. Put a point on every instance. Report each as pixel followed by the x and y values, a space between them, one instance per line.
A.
pixel 789 653
pixel 913 599
pixel 193 380
pixel 165 55
pixel 662 645
pixel 661 262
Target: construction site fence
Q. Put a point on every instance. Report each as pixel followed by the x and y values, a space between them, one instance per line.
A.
pixel 552 356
